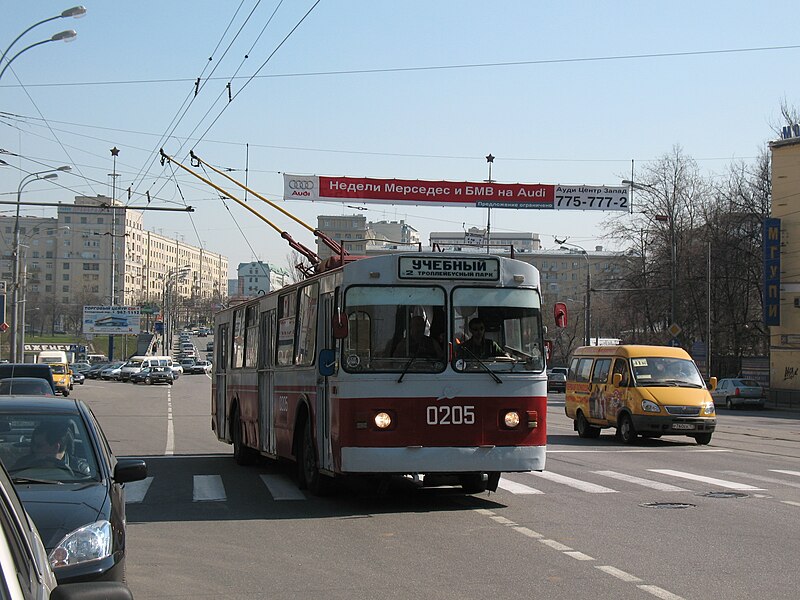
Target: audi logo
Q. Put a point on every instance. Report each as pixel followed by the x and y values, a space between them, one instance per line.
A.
pixel 301 184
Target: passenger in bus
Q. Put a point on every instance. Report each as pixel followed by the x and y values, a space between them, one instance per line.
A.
pixel 417 344
pixel 479 345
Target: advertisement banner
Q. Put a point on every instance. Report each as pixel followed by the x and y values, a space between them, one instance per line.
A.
pixel 772 272
pixel 111 319
pixel 455 193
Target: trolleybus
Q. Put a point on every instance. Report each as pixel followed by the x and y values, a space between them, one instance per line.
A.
pixel 330 372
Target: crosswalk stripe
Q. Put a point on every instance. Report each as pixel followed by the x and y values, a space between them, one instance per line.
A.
pixel 584 486
pixel 282 488
pixel 135 491
pixel 731 485
pixel 655 485
pixel 516 488
pixel 763 478
pixel 208 488
pixel 797 473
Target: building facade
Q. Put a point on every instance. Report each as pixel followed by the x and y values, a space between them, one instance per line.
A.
pixel 258 278
pixel 348 230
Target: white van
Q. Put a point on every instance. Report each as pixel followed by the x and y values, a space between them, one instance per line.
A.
pixel 137 363
pixel 52 356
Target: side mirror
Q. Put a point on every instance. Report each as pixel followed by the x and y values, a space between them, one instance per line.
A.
pixel 560 314
pixel 339 325
pixel 617 379
pixel 327 362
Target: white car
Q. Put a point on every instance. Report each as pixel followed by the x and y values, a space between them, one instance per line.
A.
pixel 176 366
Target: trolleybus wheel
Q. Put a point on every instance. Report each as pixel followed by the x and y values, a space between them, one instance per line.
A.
pixel 308 474
pixel 241 454
pixel 702 439
pixel 584 429
pixel 625 429
pixel 473 483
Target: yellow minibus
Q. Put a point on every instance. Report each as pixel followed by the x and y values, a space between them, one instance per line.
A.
pixel 641 390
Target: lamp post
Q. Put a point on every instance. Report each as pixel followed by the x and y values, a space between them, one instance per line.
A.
pixel 673 248
pixel 31 177
pixel 588 303
pixel 69 34
pixel 168 305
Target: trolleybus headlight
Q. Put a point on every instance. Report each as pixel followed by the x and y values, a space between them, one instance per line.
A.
pixel 650 406
pixel 511 419
pixel 383 420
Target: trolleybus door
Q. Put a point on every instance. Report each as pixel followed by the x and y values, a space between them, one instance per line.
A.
pixel 265 396
pixel 325 340
pixel 221 367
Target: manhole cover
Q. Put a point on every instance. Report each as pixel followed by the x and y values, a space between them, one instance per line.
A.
pixel 667 505
pixel 723 495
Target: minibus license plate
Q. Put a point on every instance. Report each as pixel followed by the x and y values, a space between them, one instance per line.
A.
pixel 682 426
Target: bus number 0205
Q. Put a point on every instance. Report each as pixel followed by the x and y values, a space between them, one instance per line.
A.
pixel 451 415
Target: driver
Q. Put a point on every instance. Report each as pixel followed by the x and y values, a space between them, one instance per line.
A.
pixel 479 345
pixel 49 443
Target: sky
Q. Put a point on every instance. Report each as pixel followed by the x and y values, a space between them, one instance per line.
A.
pixel 563 92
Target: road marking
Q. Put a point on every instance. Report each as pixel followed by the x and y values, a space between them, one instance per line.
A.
pixel 797 473
pixel 502 520
pixel 640 450
pixel 529 532
pixel 731 485
pixel 762 478
pixel 282 488
pixel 208 488
pixel 790 503
pixel 516 488
pixel 615 572
pixel 579 555
pixel 170 449
pixel 135 491
pixel 555 545
pixel 659 592
pixel 656 485
pixel 585 486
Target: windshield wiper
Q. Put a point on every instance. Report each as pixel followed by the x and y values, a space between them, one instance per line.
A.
pixel 32 480
pixel 406 368
pixel 483 364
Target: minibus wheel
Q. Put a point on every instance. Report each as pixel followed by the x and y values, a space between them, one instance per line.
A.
pixel 625 429
pixel 584 429
pixel 702 439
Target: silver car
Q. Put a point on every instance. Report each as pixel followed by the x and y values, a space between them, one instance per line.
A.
pixel 735 392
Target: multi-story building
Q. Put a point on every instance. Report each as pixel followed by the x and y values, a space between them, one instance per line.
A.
pixel 258 278
pixel 68 261
pixel 391 235
pixel 348 230
pixel 474 239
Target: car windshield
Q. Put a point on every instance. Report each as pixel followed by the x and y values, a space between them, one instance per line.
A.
pixel 46 448
pixel 653 371
pixel 24 386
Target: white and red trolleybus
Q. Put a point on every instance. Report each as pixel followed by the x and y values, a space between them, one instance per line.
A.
pixel 333 372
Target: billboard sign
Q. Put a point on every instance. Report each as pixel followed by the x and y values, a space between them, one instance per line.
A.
pixel 111 319
pixel 772 272
pixel 483 194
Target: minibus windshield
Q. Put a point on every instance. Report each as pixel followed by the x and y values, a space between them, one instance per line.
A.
pixel 654 371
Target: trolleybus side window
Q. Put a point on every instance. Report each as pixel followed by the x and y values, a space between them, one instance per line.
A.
pixel 251 336
pixel 287 309
pixel 381 336
pixel 222 348
pixel 307 325
pixel 512 324
pixel 237 355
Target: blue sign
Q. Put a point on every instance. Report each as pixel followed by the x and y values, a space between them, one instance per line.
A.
pixel 772 272
pixel 158 327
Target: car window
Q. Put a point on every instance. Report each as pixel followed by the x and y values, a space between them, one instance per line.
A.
pixel 750 383
pixel 50 447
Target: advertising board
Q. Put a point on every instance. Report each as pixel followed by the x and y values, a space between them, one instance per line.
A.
pixel 111 319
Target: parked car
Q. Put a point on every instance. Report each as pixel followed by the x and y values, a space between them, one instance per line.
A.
pixel 733 392
pixel 112 371
pixel 151 375
pixel 80 366
pixel 70 483
pixel 200 367
pixel 39 371
pixel 94 371
pixel 25 386
pixel 25 570
pixel 557 379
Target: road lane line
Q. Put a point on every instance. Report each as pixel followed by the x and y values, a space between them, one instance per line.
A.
pixel 797 473
pixel 170 449
pixel 516 488
pixel 615 572
pixel 555 545
pixel 584 486
pixel 731 485
pixel 502 520
pixel 135 491
pixel 529 532
pixel 648 483
pixel 579 555
pixel 659 592
pixel 282 488
pixel 790 503
pixel 208 488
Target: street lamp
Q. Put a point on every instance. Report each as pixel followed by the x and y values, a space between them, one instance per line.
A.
pixel 168 306
pixel 31 177
pixel 69 34
pixel 588 303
